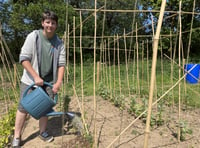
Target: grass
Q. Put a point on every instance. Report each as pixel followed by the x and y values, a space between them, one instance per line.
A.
pixel 189 92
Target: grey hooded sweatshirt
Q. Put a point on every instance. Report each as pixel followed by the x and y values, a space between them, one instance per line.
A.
pixel 31 51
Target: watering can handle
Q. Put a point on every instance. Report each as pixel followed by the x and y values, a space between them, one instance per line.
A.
pixel 45 83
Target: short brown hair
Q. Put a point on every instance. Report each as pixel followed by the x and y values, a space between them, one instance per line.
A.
pixel 49 15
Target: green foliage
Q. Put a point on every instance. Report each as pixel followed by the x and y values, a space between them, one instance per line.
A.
pixel 6 126
pixel 184 130
pixel 105 93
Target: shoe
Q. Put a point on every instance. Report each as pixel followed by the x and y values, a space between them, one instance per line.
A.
pixel 46 137
pixel 16 143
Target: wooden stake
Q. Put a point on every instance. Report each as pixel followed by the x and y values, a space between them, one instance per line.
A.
pixel 153 70
pixel 74 39
pixel 119 76
pixel 81 54
pixel 190 37
pixel 94 80
pixel 179 59
pixel 127 77
pixel 137 53
pixel 110 77
pixel 114 67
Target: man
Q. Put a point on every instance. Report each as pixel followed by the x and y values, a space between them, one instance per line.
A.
pixel 43 59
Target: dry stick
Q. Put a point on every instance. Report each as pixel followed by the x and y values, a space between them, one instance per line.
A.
pixel 127 77
pixel 138 11
pixel 182 67
pixel 64 79
pixel 185 86
pixel 74 43
pixel 153 71
pixel 114 67
pixel 189 44
pixel 118 66
pixel 137 53
pixel 142 83
pixel 103 62
pixel 66 41
pixel 152 106
pixel 179 64
pixel 148 63
pixel 106 67
pixel 134 59
pixel 172 68
pixel 82 113
pixel 81 54
pixel 94 81
pixel 161 63
pixel 133 23
pixel 68 54
pixel 176 40
pixel 110 82
pixel 102 39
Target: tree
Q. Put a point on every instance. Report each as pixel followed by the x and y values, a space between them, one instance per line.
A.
pixel 20 17
pixel 171 23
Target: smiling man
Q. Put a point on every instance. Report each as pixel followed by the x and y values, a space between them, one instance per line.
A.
pixel 43 59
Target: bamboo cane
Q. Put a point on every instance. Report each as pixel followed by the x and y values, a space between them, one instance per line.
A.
pixel 127 76
pixel 134 59
pixel 179 59
pixel 66 41
pixel 106 67
pixel 110 78
pixel 94 81
pixel 67 65
pixel 114 67
pixel 119 76
pixel 172 68
pixel 137 55
pixel 148 64
pixel 82 113
pixel 81 54
pixel 161 63
pixel 190 37
pixel 74 43
pixel 142 79
pixel 155 47
pixel 133 23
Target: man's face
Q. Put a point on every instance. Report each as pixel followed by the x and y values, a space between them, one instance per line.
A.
pixel 49 27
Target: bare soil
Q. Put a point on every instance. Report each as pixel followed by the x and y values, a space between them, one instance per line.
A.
pixel 110 122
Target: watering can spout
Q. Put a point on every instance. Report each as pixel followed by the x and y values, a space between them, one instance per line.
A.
pixel 54 113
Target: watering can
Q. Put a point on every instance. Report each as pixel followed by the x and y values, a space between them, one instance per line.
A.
pixel 38 103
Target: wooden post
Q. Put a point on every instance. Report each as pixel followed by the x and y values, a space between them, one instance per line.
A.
pixel 153 70
pixel 98 71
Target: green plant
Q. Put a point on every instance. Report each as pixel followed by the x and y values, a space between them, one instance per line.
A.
pixel 184 130
pixel 6 126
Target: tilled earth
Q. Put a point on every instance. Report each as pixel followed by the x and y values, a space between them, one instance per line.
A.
pixel 110 122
